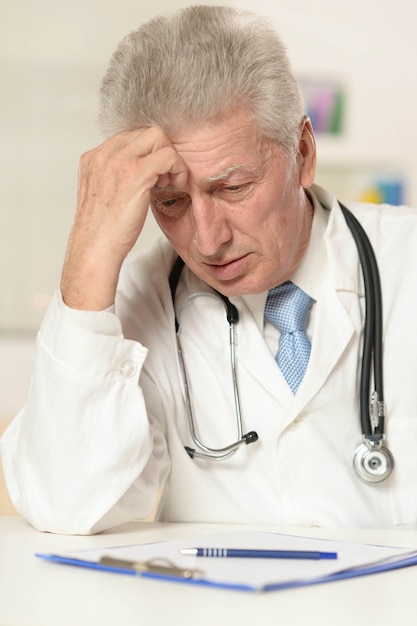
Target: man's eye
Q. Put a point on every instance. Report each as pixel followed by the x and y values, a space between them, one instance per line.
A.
pixel 171 206
pixel 236 192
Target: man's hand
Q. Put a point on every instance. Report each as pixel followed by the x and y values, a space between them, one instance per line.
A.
pixel 115 183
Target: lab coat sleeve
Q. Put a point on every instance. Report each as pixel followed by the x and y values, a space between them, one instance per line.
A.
pixel 81 456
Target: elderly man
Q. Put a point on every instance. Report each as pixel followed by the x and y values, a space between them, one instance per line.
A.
pixel 243 324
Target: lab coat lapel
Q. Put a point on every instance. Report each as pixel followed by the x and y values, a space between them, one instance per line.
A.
pixel 332 333
pixel 256 358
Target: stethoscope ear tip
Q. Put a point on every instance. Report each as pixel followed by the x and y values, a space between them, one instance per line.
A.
pixel 190 452
pixel 224 453
pixel 250 437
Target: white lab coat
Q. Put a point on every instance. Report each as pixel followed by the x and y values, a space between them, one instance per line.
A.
pixel 85 454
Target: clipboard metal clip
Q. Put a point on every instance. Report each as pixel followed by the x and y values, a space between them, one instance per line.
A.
pixel 164 567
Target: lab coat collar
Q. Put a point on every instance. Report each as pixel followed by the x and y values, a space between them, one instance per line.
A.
pixel 342 253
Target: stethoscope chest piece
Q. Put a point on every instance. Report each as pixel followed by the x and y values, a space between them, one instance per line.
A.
pixel 373 462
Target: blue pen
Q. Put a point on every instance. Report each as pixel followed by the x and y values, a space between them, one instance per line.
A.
pixel 258 554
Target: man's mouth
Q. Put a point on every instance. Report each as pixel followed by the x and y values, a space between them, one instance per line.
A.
pixel 228 270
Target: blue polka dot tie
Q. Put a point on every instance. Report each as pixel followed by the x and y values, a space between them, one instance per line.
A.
pixel 287 307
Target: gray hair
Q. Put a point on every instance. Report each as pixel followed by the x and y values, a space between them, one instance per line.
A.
pixel 201 62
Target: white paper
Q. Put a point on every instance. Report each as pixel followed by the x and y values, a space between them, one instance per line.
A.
pixel 258 573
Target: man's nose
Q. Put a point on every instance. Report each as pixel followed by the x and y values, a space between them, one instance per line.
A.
pixel 210 224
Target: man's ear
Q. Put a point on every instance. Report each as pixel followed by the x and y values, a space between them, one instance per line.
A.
pixel 307 154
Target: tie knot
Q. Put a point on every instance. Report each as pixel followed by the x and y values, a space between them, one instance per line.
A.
pixel 287 307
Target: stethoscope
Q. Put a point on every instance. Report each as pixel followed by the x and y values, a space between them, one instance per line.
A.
pixel 372 460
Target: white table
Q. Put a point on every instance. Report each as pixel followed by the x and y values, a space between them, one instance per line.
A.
pixel 36 592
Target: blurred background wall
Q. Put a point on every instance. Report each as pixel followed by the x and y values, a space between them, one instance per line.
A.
pixel 52 56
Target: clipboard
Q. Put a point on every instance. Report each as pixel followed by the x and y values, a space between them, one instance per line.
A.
pixel 163 561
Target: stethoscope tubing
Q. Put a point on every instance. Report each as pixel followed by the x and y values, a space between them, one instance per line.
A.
pixel 373 326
